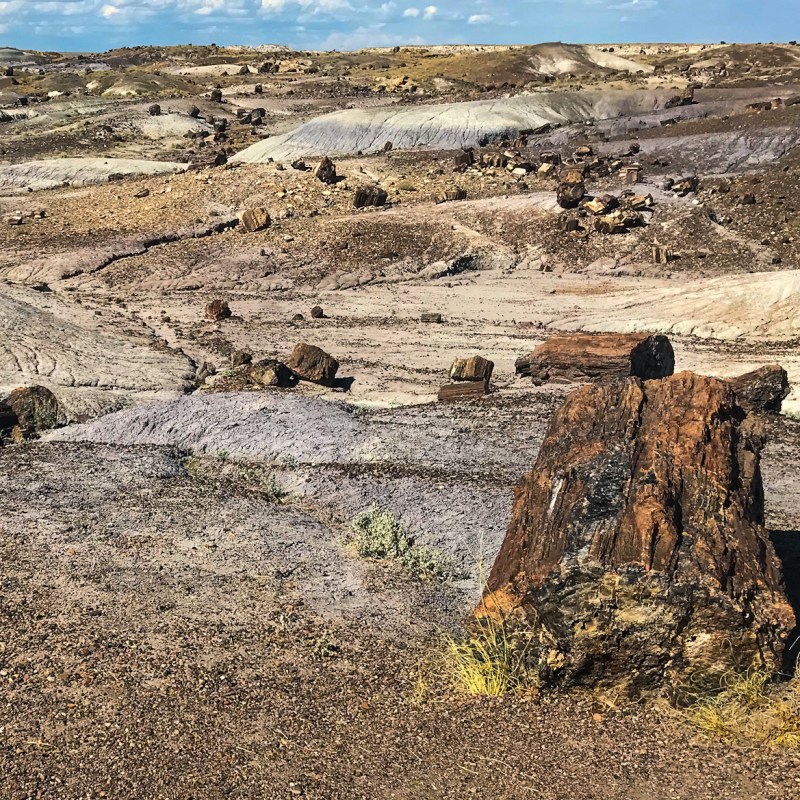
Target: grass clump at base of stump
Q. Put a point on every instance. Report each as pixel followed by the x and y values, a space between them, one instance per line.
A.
pixel 378 534
pixel 753 707
pixel 489 663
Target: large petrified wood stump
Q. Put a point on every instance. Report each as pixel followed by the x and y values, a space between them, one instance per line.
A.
pixel 636 555
pixel 581 357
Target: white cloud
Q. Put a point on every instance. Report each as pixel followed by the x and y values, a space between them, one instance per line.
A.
pixel 635 5
pixel 411 12
pixel 108 11
pixel 366 36
pixel 430 12
pixel 308 6
pixel 477 19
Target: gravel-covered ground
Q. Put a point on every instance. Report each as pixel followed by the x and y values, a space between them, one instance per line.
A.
pixel 168 629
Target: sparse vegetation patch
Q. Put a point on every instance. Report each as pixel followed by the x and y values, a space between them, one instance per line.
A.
pixel 378 534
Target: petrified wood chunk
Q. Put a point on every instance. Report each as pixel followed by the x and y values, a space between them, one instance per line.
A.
pixel 36 409
pixel 763 389
pixel 313 364
pixel 269 372
pixel 255 219
pixel 579 357
pixel 370 196
pixel 218 310
pixel 636 553
pixel 430 316
pixel 469 390
pixel 569 195
pixel 475 368
pixel 326 171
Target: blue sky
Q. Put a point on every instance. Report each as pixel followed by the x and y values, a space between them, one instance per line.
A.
pixel 346 24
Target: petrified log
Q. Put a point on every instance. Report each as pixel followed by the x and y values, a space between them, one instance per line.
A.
pixel 430 316
pixel 36 409
pixel 313 364
pixel 369 196
pixel 636 555
pixel 218 310
pixel 764 389
pixel 475 368
pixel 569 195
pixel 580 357
pixel 469 390
pixel 255 219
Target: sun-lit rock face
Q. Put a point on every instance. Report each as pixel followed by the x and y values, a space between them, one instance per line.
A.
pixel 636 553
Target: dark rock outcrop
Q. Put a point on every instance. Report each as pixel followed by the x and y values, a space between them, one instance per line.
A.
pixel 580 357
pixel 764 389
pixel 636 555
pixel 35 408
pixel 313 364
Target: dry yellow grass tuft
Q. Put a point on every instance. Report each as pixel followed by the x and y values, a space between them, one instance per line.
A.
pixel 754 708
pixel 489 663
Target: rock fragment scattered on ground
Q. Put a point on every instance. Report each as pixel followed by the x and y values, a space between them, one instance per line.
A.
pixel 313 364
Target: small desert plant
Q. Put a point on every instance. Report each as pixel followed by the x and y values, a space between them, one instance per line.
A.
pixel 753 707
pixel 378 534
pixel 489 663
pixel 253 476
pixel 260 479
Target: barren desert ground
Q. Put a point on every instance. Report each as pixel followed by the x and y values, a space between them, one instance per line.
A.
pixel 237 290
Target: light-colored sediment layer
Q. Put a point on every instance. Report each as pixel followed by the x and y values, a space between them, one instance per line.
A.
pixel 50 173
pixel 46 341
pixel 449 125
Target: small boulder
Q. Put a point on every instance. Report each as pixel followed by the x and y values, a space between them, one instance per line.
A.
pixel 218 310
pixel 326 171
pixel 154 110
pixel 762 390
pixel 36 409
pixel 255 219
pixel 317 312
pixel 313 364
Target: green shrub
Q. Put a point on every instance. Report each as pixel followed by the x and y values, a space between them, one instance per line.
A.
pixel 378 534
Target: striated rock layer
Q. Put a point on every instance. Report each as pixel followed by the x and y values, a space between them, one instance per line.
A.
pixel 636 555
